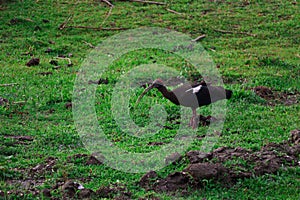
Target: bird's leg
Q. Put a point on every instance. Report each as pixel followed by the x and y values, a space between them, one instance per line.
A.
pixel 194 121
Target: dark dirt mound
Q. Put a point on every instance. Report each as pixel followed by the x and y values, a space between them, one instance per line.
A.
pixel 264 92
pixel 48 166
pixel 27 186
pixel 218 166
pixel 200 171
pixel 85 159
pixel 72 189
pixel 148 180
pixel 197 156
pixel 173 182
pixel 33 62
pixel 215 166
pixel 31 179
pixel 205 121
pixel 116 191
pixel 275 97
pixel 34 177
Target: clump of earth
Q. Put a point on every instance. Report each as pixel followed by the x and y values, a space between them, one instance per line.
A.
pixel 211 166
pixel 204 166
pixel 274 97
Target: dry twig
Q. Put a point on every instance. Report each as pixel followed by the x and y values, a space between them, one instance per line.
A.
pixel 64 24
pixel 98 28
pixel 68 59
pixel 89 44
pixel 233 32
pixel 109 12
pixel 8 84
pixel 149 2
pixel 199 38
pixel 108 3
pixel 18 102
pixel 175 12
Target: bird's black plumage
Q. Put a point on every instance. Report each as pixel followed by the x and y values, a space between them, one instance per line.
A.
pixel 192 96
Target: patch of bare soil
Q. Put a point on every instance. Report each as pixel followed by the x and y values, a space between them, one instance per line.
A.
pixel 35 177
pixel 33 62
pixel 205 121
pixel 85 159
pixel 20 139
pixel 27 186
pixel 32 178
pixel 212 166
pixel 275 97
pixel 49 166
pixel 74 190
pixel 216 166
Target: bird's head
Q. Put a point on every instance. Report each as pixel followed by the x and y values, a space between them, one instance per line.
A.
pixel 155 84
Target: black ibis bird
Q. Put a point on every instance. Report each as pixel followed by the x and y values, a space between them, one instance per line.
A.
pixel 192 96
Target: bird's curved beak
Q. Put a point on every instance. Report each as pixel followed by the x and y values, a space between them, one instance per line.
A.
pixel 144 92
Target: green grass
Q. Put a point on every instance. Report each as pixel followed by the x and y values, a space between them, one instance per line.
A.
pixel 37 102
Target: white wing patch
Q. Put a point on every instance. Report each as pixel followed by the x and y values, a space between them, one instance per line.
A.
pixel 195 89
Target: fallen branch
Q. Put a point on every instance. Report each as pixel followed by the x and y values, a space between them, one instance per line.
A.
pixel 199 38
pixel 108 3
pixel 8 84
pixel 97 28
pixel 68 59
pixel 175 12
pixel 64 24
pixel 18 102
pixel 149 2
pixel 89 44
pixel 109 12
pixel 106 17
pixel 233 32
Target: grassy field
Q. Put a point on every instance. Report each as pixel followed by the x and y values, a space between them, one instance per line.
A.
pixel 253 43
